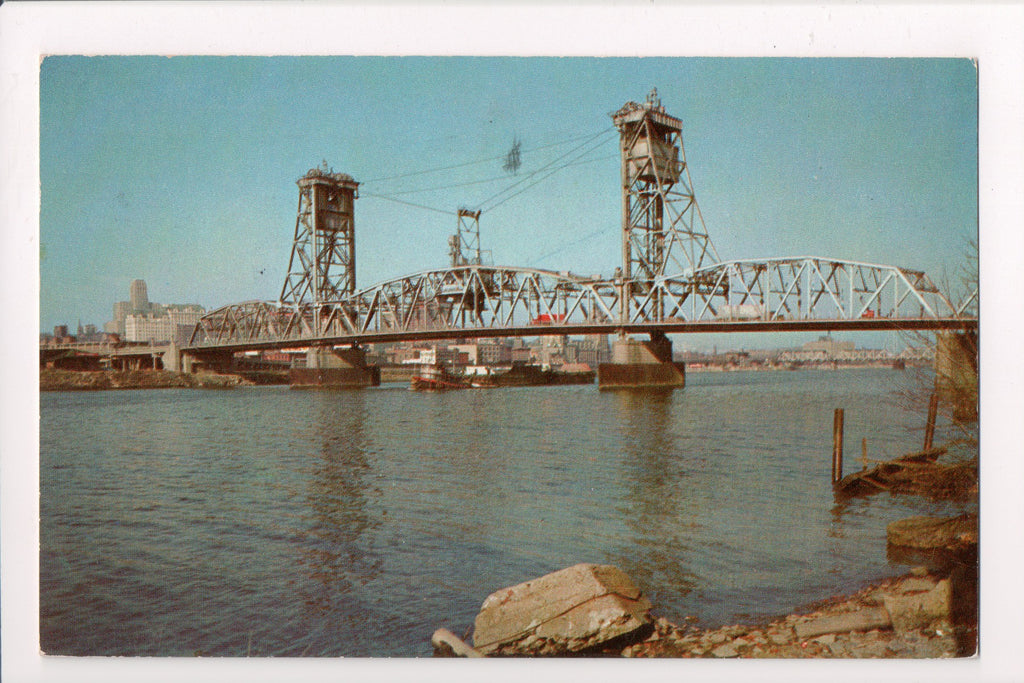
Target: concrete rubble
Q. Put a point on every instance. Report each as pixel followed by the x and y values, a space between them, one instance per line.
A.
pixel 905 617
pixel 567 611
pixel 596 610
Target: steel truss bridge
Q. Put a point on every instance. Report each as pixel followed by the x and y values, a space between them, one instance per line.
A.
pixel 795 294
pixel 671 280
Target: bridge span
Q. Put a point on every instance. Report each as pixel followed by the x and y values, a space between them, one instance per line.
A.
pixel 805 294
pixel 671 279
pixel 271 343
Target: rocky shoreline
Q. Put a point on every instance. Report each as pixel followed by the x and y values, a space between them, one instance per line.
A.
pixel 908 617
pixel 919 615
pixel 932 612
pixel 597 611
pixel 51 379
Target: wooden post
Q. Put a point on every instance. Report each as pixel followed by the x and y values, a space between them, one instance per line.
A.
pixel 929 429
pixel 864 453
pixel 837 446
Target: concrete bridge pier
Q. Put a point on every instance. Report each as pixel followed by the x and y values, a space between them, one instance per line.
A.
pixel 127 363
pixel 638 364
pixel 335 369
pixel 172 358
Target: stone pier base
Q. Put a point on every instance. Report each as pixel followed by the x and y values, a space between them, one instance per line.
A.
pixel 638 364
pixel 172 358
pixel 335 369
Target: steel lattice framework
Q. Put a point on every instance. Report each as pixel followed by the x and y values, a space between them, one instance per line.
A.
pixel 671 278
pixel 322 267
pixel 803 293
pixel 663 231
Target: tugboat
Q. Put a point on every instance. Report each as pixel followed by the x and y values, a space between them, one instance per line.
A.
pixel 434 377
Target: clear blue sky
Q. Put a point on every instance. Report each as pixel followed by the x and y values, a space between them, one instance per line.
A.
pixel 181 171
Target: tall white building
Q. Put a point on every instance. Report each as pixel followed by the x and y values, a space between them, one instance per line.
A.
pixel 142 320
pixel 175 325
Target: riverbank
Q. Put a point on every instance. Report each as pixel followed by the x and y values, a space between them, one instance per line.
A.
pixel 697 366
pixel 927 613
pixel 920 615
pixel 931 612
pixel 51 379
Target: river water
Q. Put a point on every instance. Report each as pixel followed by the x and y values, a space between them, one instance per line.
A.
pixel 266 521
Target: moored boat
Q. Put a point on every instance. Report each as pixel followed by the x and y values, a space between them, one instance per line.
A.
pixel 525 375
pixel 435 377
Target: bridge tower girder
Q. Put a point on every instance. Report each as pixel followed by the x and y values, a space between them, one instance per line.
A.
pixel 663 232
pixel 322 266
pixel 464 245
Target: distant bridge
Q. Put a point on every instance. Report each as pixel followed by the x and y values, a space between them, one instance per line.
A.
pixel 125 355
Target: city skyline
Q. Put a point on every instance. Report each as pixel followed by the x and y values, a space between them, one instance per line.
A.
pixel 872 160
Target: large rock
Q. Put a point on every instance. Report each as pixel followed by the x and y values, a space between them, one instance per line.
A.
pixel 934 533
pixel 860 620
pixel 929 608
pixel 569 610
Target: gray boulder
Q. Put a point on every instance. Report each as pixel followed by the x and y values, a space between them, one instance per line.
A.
pixel 566 611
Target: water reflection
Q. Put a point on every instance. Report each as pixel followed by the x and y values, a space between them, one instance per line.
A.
pixel 659 514
pixel 334 550
pixel 470 440
pixel 835 529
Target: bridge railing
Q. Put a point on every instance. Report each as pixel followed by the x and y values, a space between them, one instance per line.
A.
pixel 814 288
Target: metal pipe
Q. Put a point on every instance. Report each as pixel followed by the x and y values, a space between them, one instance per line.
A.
pixel 445 641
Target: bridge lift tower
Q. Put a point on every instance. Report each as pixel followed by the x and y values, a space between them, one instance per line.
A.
pixel 322 267
pixel 464 245
pixel 322 273
pixel 663 234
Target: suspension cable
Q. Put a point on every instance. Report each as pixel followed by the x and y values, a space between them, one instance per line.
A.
pixel 402 201
pixel 470 163
pixel 486 180
pixel 543 168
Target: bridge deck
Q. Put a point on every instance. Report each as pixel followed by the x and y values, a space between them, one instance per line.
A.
pixel 718 326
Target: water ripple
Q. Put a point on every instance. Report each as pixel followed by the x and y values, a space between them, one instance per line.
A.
pixel 270 522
